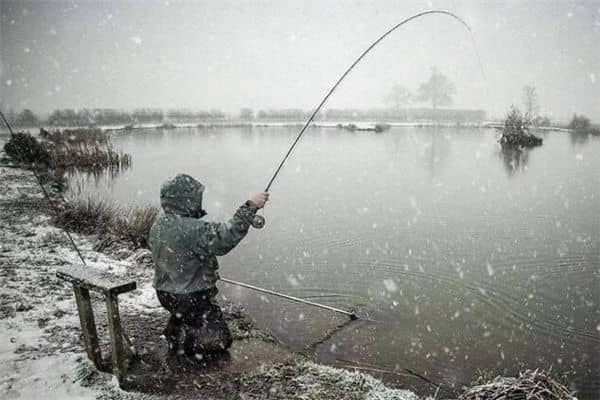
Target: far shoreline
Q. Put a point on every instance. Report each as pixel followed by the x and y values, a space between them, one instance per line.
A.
pixel 165 126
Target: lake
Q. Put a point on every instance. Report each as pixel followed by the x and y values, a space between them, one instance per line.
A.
pixel 469 259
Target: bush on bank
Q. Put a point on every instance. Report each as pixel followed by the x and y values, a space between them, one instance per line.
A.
pixel 71 148
pixel 22 147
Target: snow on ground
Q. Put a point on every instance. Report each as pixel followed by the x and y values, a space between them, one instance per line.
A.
pixel 40 347
pixel 41 352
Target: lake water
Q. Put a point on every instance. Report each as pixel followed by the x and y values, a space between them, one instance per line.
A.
pixel 469 258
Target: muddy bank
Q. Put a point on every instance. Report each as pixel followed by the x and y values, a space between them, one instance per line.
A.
pixel 41 350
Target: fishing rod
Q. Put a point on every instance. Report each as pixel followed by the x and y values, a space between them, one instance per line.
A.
pixel 259 221
pixel 351 314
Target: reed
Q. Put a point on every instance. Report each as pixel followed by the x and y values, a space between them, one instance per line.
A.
pixel 88 148
pixel 135 225
pixel 105 218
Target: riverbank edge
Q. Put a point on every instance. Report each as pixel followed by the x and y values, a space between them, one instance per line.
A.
pixel 39 318
pixel 292 124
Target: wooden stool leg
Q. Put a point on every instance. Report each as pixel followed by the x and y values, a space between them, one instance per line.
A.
pixel 117 347
pixel 88 326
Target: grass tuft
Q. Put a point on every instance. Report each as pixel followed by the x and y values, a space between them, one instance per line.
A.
pixel 135 226
pixel 105 218
pixel 89 216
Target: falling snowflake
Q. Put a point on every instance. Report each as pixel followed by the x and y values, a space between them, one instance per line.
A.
pixel 292 280
pixel 490 270
pixel 136 39
pixel 390 285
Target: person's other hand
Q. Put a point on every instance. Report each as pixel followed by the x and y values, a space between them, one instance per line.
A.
pixel 259 199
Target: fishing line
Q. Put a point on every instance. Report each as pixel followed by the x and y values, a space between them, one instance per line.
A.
pixel 350 314
pixel 259 220
pixel 407 371
pixel 46 194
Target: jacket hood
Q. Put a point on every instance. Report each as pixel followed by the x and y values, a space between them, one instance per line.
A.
pixel 182 195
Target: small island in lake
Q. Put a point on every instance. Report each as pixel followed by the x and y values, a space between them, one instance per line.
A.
pixel 515 132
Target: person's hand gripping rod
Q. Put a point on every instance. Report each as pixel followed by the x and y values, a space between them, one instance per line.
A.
pixel 259 200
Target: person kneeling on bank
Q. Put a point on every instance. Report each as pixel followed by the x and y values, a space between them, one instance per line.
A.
pixel 184 249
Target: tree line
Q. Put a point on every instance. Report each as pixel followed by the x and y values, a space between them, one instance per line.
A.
pixel 109 116
pixel 100 117
pixel 438 90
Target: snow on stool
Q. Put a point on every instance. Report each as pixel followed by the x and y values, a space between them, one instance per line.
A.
pixel 84 279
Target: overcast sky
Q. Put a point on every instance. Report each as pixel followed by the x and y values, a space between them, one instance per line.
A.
pixel 287 54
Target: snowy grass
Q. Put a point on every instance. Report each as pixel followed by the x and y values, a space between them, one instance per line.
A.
pixel 88 216
pixel 135 227
pixel 99 216
pixel 308 380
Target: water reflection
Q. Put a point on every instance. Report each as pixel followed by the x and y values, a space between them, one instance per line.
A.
pixel 469 270
pixel 81 182
pixel 579 138
pixel 514 159
pixel 438 151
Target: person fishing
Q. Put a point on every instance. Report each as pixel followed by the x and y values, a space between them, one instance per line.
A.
pixel 184 249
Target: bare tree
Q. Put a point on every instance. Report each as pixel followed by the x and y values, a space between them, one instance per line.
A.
pixel 530 101
pixel 398 97
pixel 27 118
pixel 246 114
pixel 438 89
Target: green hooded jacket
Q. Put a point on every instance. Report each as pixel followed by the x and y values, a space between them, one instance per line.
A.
pixel 184 246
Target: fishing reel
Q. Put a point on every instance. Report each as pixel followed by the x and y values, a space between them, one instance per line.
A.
pixel 258 221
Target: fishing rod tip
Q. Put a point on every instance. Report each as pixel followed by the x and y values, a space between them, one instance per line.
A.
pixel 353 315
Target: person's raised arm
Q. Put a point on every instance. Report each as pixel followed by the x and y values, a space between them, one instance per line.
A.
pixel 222 237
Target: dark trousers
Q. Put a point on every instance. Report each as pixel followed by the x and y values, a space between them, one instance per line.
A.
pixel 198 318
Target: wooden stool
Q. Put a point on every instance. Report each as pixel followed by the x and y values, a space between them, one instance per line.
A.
pixel 84 279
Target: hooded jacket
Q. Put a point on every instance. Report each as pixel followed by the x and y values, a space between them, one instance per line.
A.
pixel 184 246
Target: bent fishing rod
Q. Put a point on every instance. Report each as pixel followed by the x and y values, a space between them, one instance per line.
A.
pixel 259 221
